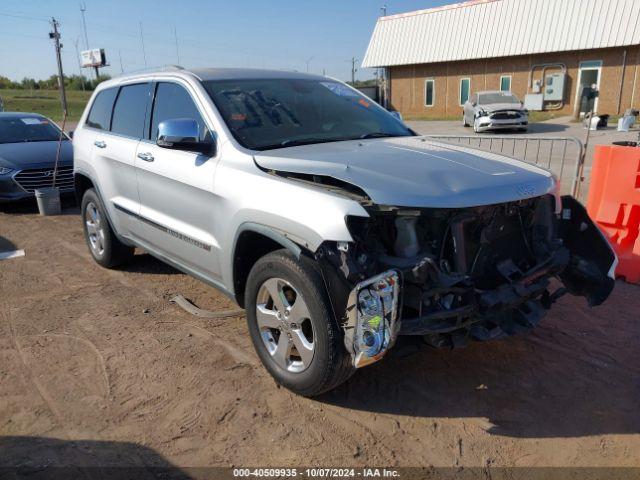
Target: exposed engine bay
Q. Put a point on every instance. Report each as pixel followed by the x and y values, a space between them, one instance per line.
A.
pixel 465 274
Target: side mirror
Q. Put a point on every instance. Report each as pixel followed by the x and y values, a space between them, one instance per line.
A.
pixel 181 134
pixel 396 115
pixel 70 134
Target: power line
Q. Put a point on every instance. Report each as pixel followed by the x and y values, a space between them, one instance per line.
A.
pixel 26 17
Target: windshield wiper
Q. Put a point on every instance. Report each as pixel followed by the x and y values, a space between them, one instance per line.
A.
pixel 301 141
pixel 378 135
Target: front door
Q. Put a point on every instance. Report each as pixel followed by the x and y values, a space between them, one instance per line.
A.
pixel 176 188
pixel 589 77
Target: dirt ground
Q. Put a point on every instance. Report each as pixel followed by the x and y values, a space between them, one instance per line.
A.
pixel 101 360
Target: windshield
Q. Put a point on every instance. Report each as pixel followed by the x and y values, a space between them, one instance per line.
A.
pixel 274 113
pixel 497 97
pixel 28 129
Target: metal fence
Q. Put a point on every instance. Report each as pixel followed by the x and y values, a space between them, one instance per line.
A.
pixel 564 156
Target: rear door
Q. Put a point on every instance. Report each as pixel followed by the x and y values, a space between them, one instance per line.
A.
pixel 112 172
pixel 115 152
pixel 176 187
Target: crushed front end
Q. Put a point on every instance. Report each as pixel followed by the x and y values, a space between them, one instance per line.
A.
pixel 454 275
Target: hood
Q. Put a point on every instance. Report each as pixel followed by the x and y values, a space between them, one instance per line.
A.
pixel 494 107
pixel 415 171
pixel 34 154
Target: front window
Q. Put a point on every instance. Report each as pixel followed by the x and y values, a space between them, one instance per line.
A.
pixel 497 97
pixel 28 129
pixel 264 114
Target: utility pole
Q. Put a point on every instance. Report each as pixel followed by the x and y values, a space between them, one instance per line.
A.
pixel 309 61
pixel 175 34
pixel 120 57
pixel 383 10
pixel 83 8
pixel 75 42
pixel 144 55
pixel 353 70
pixel 55 36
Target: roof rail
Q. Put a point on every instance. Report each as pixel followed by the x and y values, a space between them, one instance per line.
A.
pixel 162 68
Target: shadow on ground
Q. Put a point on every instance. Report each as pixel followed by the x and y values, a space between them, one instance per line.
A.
pixel 146 263
pixel 546 127
pixel 6 245
pixel 576 374
pixel 40 458
pixel 29 206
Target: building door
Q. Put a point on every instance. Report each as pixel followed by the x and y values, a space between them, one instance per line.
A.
pixel 589 75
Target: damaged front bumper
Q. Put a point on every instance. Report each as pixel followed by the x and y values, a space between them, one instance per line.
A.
pixel 452 309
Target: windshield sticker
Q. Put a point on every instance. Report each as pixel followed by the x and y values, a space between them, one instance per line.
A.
pixel 32 121
pixel 364 103
pixel 338 89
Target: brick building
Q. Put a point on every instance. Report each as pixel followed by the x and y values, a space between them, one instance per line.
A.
pixel 547 49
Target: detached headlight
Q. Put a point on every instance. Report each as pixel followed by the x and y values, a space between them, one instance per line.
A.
pixel 372 313
pixel 5 170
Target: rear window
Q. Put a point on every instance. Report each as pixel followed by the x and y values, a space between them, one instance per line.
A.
pixel 100 113
pixel 130 110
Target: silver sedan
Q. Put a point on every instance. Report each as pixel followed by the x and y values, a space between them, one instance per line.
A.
pixel 495 111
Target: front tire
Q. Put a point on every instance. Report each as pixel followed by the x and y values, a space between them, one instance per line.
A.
pixel 103 244
pixel 292 326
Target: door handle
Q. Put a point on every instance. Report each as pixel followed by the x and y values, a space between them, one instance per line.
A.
pixel 147 157
pixel 100 144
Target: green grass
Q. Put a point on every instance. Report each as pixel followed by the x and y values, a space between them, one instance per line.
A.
pixel 45 102
pixel 535 116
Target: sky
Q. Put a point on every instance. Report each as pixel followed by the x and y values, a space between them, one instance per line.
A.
pixel 321 36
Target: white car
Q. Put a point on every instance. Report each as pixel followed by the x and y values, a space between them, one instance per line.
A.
pixel 495 111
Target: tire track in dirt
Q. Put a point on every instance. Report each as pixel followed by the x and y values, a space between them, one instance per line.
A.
pixel 28 372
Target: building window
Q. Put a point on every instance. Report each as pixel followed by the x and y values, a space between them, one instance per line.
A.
pixel 465 87
pixel 505 83
pixel 429 93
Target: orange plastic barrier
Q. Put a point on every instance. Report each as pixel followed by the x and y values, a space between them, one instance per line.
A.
pixel 614 204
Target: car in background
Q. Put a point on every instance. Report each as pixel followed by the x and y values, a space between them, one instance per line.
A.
pixel 495 110
pixel 28 148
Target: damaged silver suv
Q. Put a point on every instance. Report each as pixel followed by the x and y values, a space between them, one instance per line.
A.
pixel 336 227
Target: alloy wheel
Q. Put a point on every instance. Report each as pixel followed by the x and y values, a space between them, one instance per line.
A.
pixel 285 325
pixel 95 230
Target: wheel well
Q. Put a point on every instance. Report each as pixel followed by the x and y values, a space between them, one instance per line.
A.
pixel 82 184
pixel 250 247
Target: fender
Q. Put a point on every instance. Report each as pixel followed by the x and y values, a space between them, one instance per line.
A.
pixel 270 232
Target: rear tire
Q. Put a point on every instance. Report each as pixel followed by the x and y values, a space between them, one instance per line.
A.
pixel 275 323
pixel 103 244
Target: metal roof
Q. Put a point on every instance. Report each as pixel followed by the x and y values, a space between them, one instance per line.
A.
pixel 502 28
